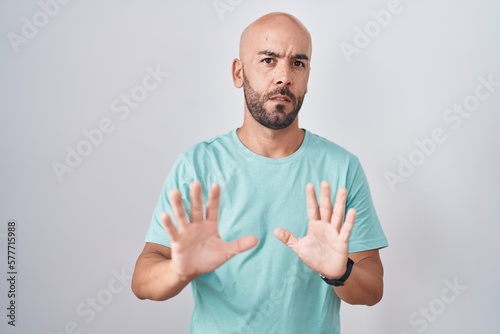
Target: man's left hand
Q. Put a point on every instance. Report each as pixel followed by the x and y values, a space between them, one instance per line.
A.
pixel 325 247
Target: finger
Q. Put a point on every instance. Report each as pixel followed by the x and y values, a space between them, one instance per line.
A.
pixel 325 202
pixel 178 209
pixel 196 202
pixel 241 245
pixel 285 237
pixel 312 203
pixel 169 226
pixel 339 208
pixel 213 203
pixel 345 231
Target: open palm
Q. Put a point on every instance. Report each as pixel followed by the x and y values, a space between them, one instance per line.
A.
pixel 197 247
pixel 325 247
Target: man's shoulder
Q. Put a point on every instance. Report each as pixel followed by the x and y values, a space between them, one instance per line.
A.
pixel 213 144
pixel 221 139
pixel 320 144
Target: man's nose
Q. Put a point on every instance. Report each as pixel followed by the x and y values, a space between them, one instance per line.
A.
pixel 283 75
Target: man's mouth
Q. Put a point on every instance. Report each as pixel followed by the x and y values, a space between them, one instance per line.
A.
pixel 280 98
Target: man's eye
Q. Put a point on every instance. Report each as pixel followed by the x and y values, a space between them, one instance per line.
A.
pixel 298 63
pixel 267 60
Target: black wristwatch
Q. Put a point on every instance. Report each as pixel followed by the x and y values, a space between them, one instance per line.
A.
pixel 340 281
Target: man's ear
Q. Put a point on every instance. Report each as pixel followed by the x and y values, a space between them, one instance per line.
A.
pixel 237 72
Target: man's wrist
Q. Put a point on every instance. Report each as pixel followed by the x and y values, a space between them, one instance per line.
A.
pixel 182 279
pixel 340 281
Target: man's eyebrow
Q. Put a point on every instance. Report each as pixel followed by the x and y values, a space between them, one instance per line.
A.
pixel 277 55
pixel 301 56
pixel 269 53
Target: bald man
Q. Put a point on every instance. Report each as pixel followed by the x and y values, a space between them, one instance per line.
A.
pixel 257 184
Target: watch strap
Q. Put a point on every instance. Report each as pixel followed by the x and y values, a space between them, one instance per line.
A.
pixel 340 281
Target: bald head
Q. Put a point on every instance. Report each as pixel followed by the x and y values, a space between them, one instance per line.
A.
pixel 279 29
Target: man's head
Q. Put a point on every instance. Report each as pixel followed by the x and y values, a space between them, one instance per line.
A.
pixel 273 69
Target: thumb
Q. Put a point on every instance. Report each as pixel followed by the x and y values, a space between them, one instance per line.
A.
pixel 285 236
pixel 242 244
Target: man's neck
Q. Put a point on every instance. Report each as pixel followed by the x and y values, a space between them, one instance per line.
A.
pixel 271 143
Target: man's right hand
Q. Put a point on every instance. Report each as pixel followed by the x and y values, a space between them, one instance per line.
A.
pixel 196 246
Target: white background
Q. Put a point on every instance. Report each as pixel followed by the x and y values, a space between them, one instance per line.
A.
pixel 77 232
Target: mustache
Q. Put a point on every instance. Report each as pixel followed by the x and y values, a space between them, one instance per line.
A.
pixel 282 91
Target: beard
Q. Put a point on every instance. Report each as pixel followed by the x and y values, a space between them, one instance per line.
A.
pixel 277 118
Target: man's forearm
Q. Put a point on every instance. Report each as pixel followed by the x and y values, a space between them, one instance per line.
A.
pixel 154 278
pixel 365 285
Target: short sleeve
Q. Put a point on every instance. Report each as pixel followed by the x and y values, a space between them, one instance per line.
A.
pixel 180 177
pixel 367 233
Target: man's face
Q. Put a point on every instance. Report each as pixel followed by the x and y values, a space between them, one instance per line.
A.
pixel 275 70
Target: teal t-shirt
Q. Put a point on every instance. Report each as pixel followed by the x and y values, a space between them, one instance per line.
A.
pixel 267 289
